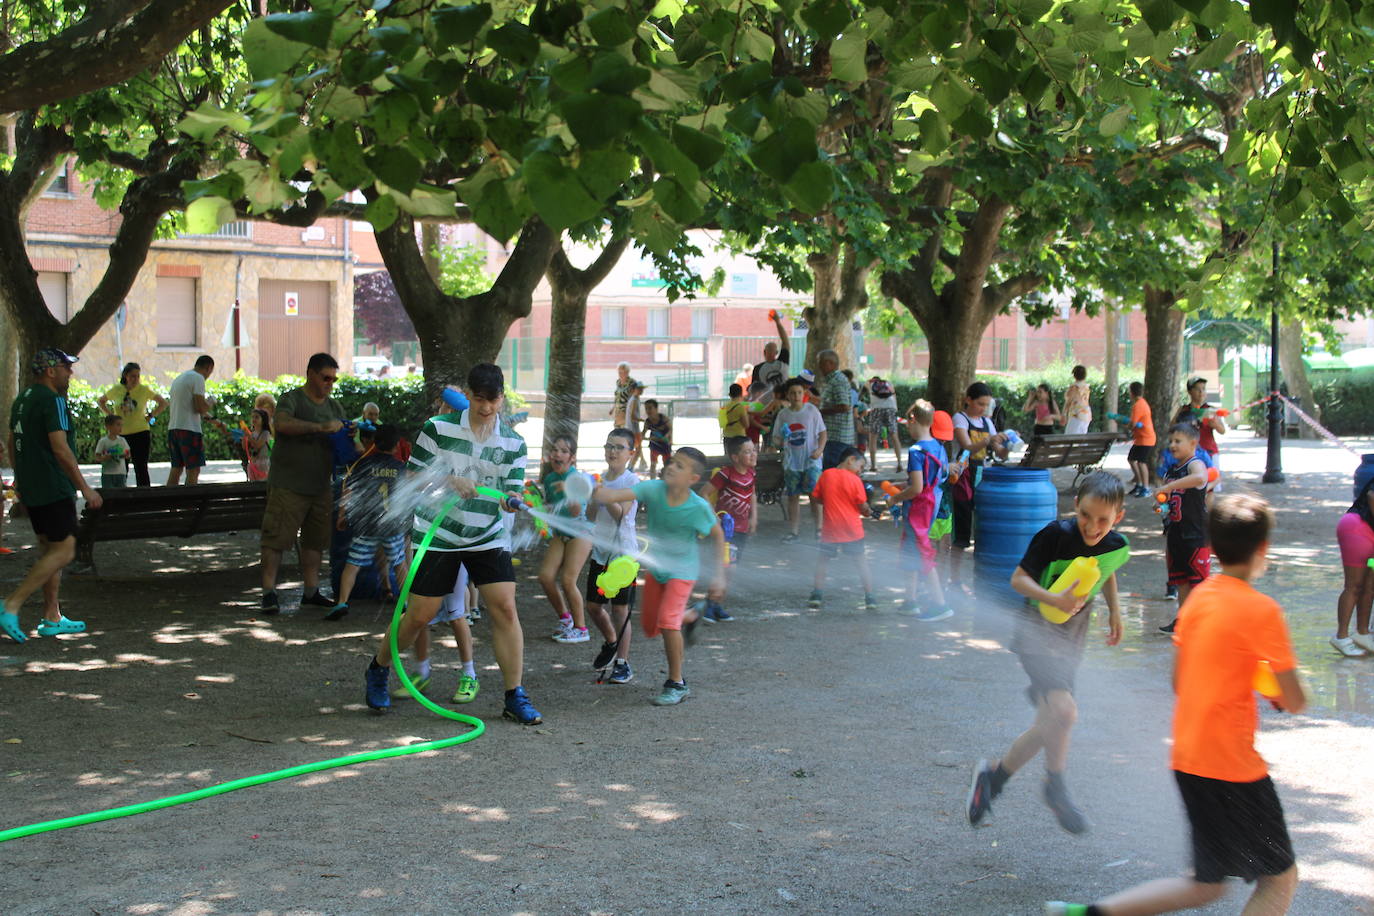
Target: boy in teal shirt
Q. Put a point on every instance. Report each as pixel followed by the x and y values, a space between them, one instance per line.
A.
pixel 677 518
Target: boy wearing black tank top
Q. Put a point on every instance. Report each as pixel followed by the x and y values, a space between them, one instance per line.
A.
pixel 1188 556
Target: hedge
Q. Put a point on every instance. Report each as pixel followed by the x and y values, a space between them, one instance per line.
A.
pixel 401 400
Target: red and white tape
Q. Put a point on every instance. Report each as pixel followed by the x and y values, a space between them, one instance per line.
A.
pixel 1322 431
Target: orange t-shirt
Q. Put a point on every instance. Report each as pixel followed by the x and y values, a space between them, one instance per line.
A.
pixel 841 493
pixel 1225 629
pixel 1140 413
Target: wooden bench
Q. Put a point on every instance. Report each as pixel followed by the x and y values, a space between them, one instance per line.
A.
pixel 166 512
pixel 1084 452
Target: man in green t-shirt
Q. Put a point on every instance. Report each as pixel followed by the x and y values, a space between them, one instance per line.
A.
pixel 300 499
pixel 47 478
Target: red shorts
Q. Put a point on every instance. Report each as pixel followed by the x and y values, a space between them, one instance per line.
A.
pixel 664 604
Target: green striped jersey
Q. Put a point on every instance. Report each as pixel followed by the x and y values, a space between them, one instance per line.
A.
pixel 446 446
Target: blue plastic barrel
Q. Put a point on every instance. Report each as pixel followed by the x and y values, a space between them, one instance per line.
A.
pixel 1363 473
pixel 1011 505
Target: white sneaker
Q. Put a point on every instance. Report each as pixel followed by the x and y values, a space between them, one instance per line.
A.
pixel 573 634
pixel 1364 640
pixel 1347 647
pixel 565 629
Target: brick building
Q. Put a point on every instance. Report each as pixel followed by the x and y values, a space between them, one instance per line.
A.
pixel 294 288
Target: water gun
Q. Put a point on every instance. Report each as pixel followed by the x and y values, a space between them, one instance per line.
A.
pixel 115 451
pixel 1162 499
pixel 1265 683
pixel 620 573
pixel 957 467
pixel 342 442
pixel 890 488
pixel 1013 437
pixel 455 398
pixel 1084 572
pixel 531 496
pixel 772 314
pixel 727 527
pixel 1122 418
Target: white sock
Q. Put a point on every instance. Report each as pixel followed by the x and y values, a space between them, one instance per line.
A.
pixel 423 669
pixel 469 669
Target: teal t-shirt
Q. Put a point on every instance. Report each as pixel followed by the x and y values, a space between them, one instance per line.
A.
pixel 39 478
pixel 673 531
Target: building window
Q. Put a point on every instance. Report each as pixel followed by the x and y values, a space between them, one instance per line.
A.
pixel 176 311
pixel 242 229
pixel 657 323
pixel 612 323
pixel 703 323
pixel 53 286
pixel 62 184
pixel 679 353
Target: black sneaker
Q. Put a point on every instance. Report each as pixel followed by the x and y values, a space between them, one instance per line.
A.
pixel 1169 627
pixel 605 656
pixel 1056 795
pixel 1171 591
pixel 269 603
pixel 317 599
pixel 980 794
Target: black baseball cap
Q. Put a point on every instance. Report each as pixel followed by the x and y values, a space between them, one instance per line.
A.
pixel 48 357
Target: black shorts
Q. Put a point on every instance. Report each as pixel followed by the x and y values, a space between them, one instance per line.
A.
pixel 626 596
pixel 1141 453
pixel 1046 673
pixel 848 548
pixel 963 522
pixel 1044 429
pixel 1238 829
pixel 1189 562
pixel 438 570
pixel 54 521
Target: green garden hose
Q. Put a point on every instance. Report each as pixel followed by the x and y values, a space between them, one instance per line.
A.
pixel 478 727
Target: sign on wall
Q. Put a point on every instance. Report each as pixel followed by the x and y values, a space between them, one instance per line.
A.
pixel 293 303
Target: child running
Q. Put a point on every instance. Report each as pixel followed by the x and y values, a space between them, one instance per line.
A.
pixel 1226 630
pixel 925 472
pixel 658 429
pixel 732 493
pixel 366 508
pixel 567 551
pixel 1050 653
pixel 613 536
pixel 112 451
pixel 840 491
pixel 1142 440
pixel 1187 556
pixel 454 612
pixel 677 517
pixel 468 449
pixel 799 432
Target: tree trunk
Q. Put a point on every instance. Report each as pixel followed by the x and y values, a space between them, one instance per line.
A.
pixel 840 291
pixel 1295 372
pixel 953 361
pixel 430 240
pixel 1111 368
pixel 567 337
pixel 456 332
pixel 1163 345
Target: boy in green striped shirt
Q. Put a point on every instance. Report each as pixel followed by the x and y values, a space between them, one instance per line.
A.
pixel 470 448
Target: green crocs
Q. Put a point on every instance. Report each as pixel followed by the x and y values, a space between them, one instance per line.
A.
pixel 48 627
pixel 9 624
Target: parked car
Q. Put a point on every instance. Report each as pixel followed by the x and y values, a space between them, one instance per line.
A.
pixel 373 366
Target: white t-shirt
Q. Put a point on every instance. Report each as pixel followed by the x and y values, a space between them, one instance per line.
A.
pixel 877 403
pixel 610 539
pixel 114 466
pixel 797 433
pixel 182 410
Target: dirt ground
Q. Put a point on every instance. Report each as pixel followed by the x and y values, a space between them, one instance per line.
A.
pixel 820 765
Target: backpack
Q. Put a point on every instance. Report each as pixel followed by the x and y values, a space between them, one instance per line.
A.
pixel 880 387
pixel 999 416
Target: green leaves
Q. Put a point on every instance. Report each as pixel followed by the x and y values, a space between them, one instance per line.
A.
pixel 847 54
pixel 268 53
pixel 458 25
pixel 598 119
pixel 1115 121
pixel 311 28
pixel 559 198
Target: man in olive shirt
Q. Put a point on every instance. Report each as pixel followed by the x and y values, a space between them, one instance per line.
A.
pixel 47 478
pixel 299 494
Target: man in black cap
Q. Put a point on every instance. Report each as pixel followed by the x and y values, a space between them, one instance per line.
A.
pixel 47 477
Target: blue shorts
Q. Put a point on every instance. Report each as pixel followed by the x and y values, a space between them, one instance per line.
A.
pixel 801 483
pixel 363 549
pixel 848 548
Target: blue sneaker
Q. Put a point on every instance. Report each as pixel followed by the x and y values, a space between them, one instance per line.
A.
pixel 519 708
pixel 932 614
pixel 715 613
pixel 378 698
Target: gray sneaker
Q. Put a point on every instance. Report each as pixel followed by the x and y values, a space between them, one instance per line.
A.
pixel 674 692
pixel 1056 795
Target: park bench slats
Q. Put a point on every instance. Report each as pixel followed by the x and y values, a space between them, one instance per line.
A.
pixel 163 512
pixel 1084 451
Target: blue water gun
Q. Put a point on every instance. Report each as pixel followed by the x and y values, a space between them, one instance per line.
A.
pixel 455 398
pixel 342 442
pixel 727 527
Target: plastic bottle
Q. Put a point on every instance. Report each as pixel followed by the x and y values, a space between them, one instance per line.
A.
pixel 1083 569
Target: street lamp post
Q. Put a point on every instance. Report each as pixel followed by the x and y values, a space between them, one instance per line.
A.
pixel 1273 465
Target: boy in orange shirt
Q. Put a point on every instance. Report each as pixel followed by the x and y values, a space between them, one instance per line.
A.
pixel 1142 440
pixel 1226 629
pixel 843 499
